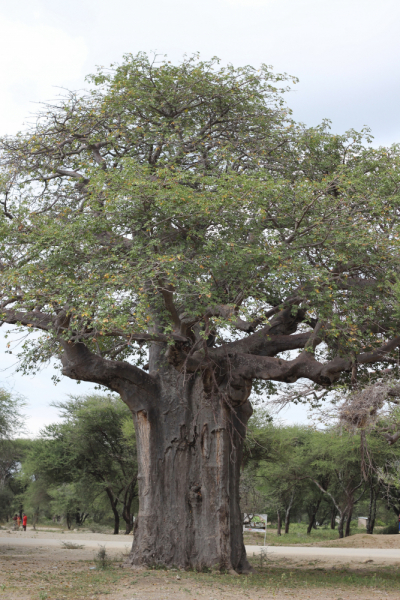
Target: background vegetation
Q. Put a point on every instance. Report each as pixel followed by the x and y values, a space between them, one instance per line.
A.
pixel 82 471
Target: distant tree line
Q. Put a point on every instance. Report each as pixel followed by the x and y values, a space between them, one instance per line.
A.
pixel 321 476
pixel 81 468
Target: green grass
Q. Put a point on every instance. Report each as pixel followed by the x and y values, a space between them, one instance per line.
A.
pixel 76 581
pixel 383 578
pixel 297 535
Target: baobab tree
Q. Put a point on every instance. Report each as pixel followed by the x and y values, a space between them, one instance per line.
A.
pixel 175 237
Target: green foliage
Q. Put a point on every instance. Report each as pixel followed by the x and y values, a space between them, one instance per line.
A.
pixel 193 180
pixel 11 451
pixel 75 465
pixel 11 419
pixel 311 471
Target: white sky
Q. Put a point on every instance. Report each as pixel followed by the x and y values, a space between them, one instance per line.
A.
pixel 345 53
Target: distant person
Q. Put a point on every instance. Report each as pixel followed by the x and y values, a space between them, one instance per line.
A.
pixel 15 518
pixel 24 522
pixel 18 521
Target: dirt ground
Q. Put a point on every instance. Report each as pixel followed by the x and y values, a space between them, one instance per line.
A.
pixel 363 540
pixel 58 573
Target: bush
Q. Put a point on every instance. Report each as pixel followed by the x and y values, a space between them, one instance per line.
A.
pixel 391 529
pixel 102 560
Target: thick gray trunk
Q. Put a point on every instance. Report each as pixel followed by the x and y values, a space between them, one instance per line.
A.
pixel 189 453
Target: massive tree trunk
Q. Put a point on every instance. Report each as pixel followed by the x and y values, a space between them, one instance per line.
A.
pixel 190 430
pixel 189 454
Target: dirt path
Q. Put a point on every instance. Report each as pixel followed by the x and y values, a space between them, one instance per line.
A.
pixel 357 548
pixel 86 547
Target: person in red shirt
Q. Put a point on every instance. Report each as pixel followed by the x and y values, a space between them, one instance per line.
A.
pixel 24 521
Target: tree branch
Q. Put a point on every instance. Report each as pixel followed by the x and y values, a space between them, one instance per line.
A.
pixel 81 364
pixel 305 365
pixel 34 319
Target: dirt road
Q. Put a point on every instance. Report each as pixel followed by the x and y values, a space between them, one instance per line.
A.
pixel 92 541
pixel 341 555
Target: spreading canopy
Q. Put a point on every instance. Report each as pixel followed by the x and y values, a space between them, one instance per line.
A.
pixel 181 205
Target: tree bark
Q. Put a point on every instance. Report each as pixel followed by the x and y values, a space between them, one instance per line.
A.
pixel 341 524
pixel 287 513
pixel 333 517
pixel 372 507
pixel 348 521
pixel 287 520
pixel 279 525
pixel 114 502
pixel 312 515
pixel 189 455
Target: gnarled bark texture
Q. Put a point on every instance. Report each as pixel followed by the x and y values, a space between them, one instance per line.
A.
pixel 190 448
pixel 189 442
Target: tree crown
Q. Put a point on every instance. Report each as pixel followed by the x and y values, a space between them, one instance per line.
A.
pixel 182 205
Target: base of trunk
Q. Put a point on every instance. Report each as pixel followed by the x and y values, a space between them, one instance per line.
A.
pixel 189 454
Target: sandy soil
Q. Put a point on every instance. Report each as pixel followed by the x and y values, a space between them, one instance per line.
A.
pixel 355 541
pixel 48 575
pixel 65 534
pixel 57 573
pixel 363 540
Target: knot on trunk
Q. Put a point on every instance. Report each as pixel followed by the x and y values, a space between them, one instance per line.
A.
pixel 195 496
pixel 238 389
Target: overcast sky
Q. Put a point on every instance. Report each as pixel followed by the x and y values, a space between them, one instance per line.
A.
pixel 345 53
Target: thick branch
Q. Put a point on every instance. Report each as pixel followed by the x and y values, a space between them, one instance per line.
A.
pixel 81 364
pixel 262 342
pixel 305 365
pixel 34 319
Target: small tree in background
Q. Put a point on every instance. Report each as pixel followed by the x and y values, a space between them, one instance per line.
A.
pixel 90 453
pixel 12 451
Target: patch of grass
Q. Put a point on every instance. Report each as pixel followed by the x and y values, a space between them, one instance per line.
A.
pixel 383 578
pixel 42 530
pixel 102 560
pixel 100 529
pixel 71 546
pixel 297 535
pixel 72 583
